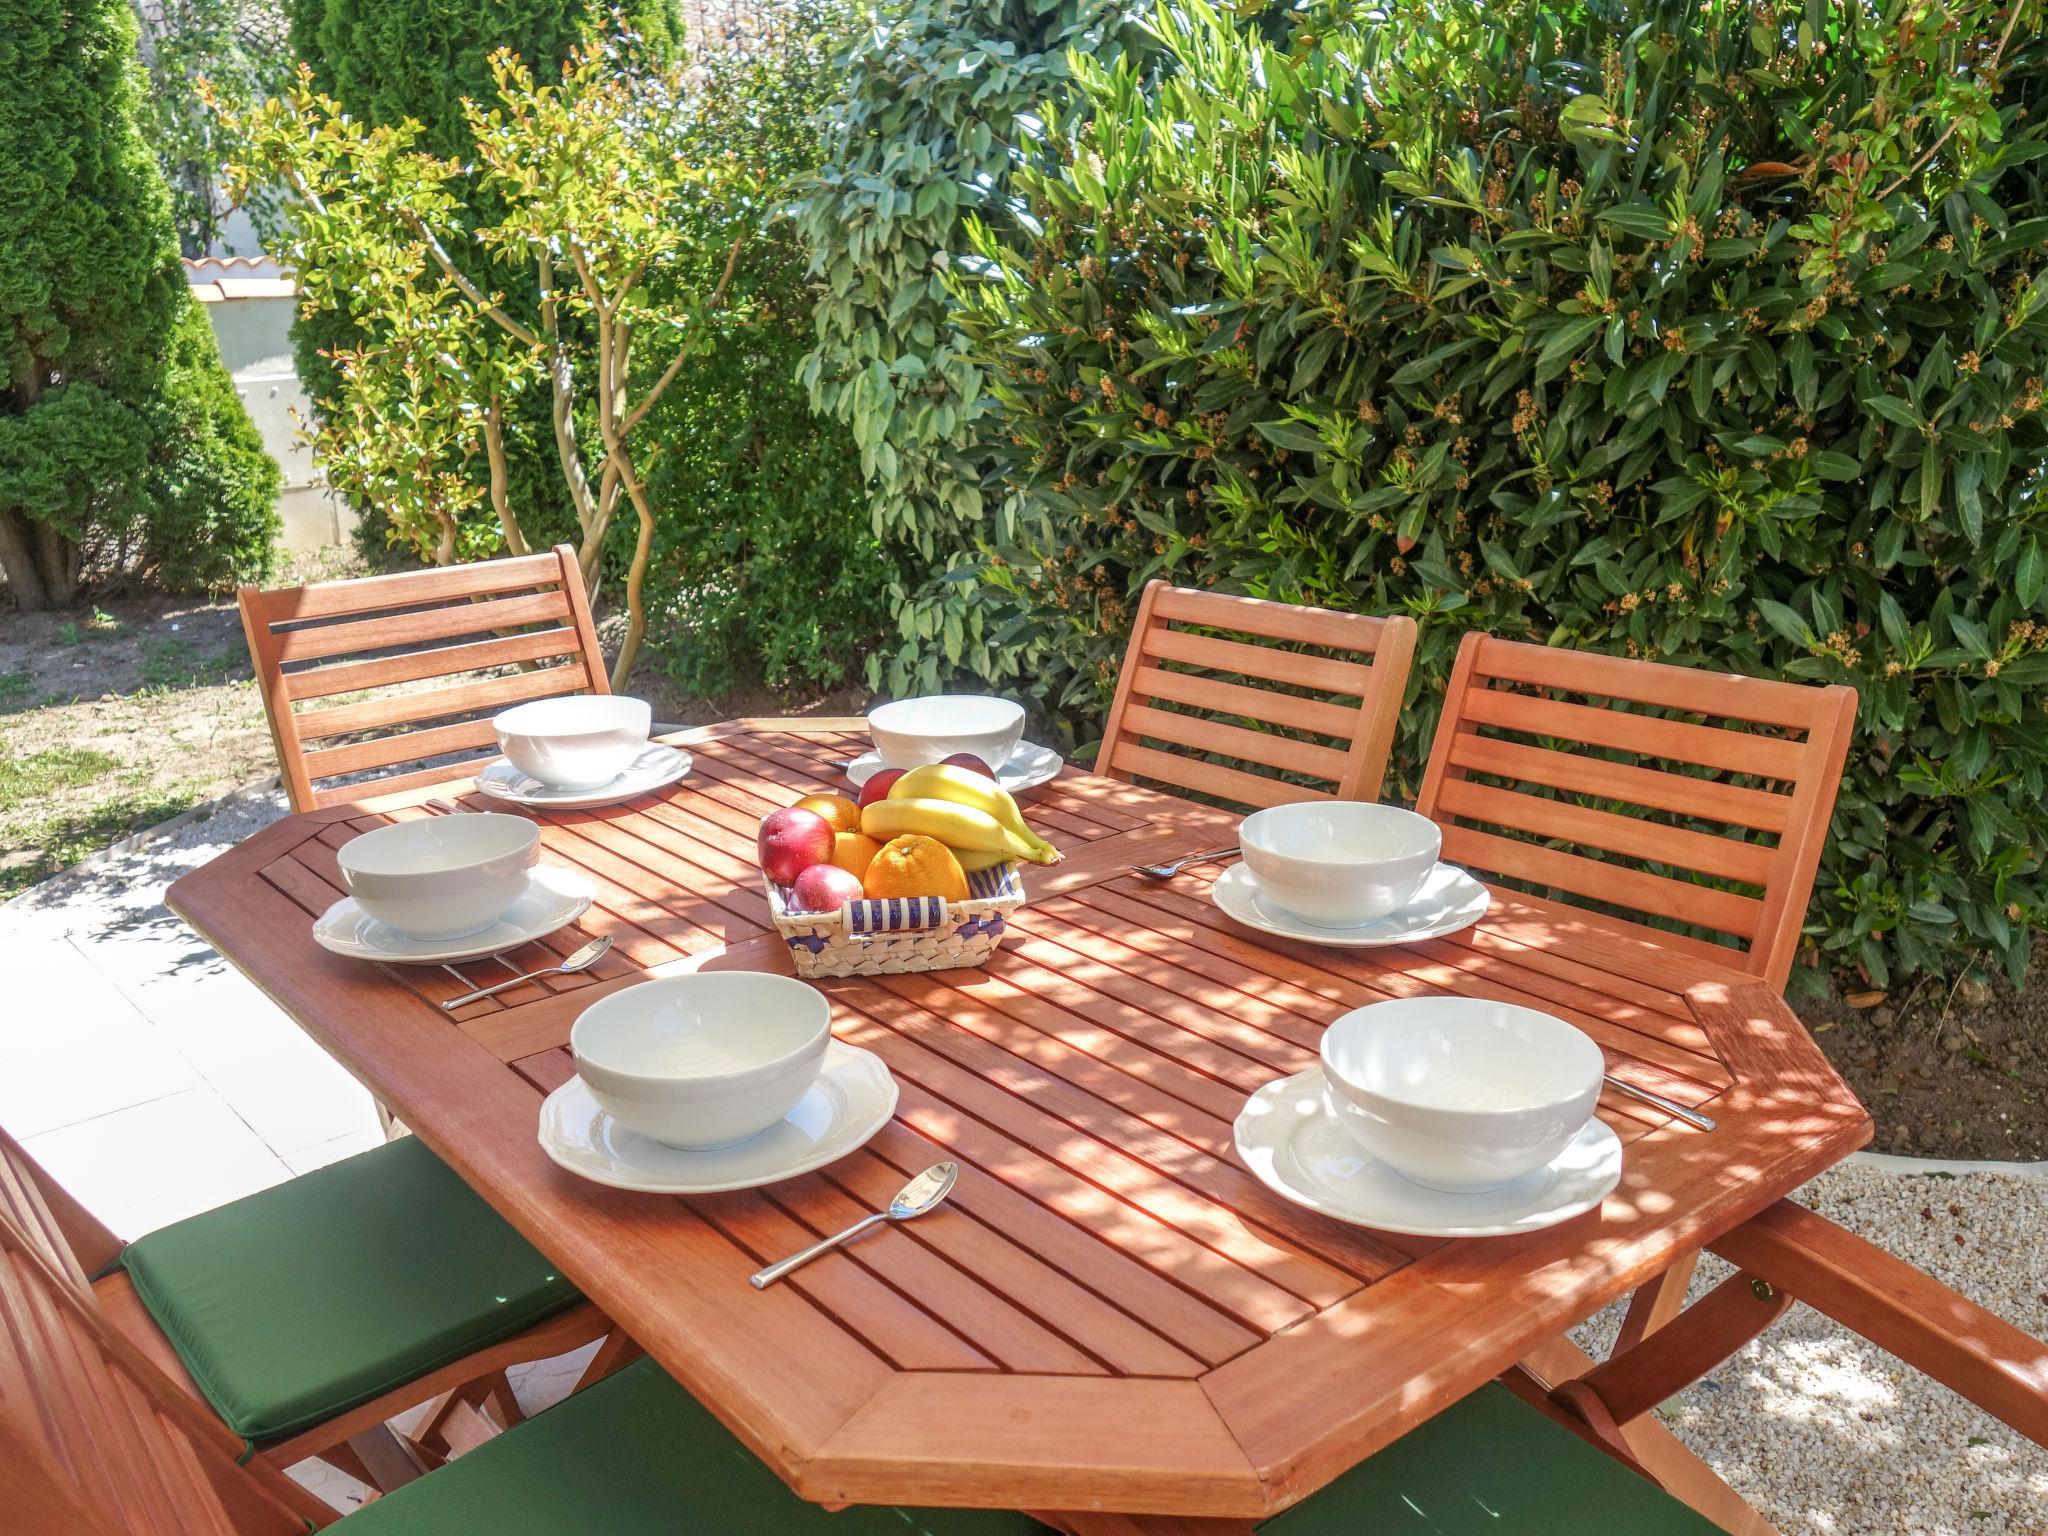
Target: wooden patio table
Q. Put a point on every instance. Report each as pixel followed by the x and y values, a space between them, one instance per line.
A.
pixel 1111 1314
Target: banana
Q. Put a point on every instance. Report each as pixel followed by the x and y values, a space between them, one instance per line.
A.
pixel 963 786
pixel 960 827
pixel 970 861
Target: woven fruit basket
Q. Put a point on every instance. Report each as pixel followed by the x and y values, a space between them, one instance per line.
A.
pixel 896 934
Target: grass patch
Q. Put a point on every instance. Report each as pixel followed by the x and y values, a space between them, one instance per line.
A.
pixel 42 848
pixel 16 692
pixel 23 779
pixel 173 662
pixel 101 626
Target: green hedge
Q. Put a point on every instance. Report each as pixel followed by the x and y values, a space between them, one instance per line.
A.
pixel 1713 332
pixel 765 566
pixel 920 132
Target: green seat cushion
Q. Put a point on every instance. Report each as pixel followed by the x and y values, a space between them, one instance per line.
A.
pixel 295 1304
pixel 1489 1464
pixel 636 1455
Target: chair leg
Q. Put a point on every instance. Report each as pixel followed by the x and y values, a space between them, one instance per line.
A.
pixel 617 1350
pixel 388 1461
pixel 1692 1344
pixel 1656 1302
pixel 464 1417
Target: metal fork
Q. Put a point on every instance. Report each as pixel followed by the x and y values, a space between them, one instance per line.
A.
pixel 1168 871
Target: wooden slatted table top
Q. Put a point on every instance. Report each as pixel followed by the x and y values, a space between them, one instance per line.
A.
pixel 1111 1313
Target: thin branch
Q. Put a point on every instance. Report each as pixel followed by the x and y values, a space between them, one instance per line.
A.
pixel 667 378
pixel 1997 56
pixel 460 279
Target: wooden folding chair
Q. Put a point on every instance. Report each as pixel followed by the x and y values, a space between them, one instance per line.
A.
pixel 1531 781
pixel 1698 798
pixel 50 1233
pixel 511 630
pixel 1185 682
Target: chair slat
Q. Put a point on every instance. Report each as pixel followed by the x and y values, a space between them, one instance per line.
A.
pixel 1271 750
pixel 389 628
pixel 1210 778
pixel 1745 863
pixel 1617 884
pixel 1759 700
pixel 1765 757
pixel 1274 621
pixel 1710 799
pixel 414 626
pixel 409 708
pixel 442 661
pixel 1341 677
pixel 386 750
pixel 1778 734
pixel 371 594
pixel 1294 711
pixel 1372 668
pixel 391 784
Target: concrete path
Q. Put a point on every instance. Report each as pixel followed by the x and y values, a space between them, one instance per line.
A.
pixel 144 1072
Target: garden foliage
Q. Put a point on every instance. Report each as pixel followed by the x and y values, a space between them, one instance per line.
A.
pixel 609 249
pixel 122 443
pixel 1709 332
pixel 393 62
pixel 921 133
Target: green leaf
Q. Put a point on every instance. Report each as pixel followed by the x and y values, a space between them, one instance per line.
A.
pixel 1785 621
pixel 1638 219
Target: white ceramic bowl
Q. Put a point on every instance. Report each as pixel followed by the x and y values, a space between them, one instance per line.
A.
pixel 912 732
pixel 1458 1093
pixel 1339 863
pixel 704 1060
pixel 442 877
pixel 578 742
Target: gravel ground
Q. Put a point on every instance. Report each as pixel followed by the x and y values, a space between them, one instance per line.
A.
pixel 1830 1436
pixel 1824 1433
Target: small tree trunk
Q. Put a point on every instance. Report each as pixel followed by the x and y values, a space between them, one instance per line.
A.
pixel 636 574
pixel 59 562
pixel 501 497
pixel 18 562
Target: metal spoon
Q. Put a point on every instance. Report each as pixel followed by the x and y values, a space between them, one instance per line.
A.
pixel 1691 1117
pixel 913 1199
pixel 581 960
pixel 1168 871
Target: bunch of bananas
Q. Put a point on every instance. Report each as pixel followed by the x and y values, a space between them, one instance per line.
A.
pixel 972 815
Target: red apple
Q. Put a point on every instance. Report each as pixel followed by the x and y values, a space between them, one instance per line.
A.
pixel 970 761
pixel 877 786
pixel 791 841
pixel 825 888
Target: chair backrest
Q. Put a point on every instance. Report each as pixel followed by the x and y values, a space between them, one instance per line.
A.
pixel 1186 682
pixel 94 1439
pixel 1662 809
pixel 490 635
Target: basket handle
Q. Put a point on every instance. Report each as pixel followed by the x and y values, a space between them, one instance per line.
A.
pixel 880 916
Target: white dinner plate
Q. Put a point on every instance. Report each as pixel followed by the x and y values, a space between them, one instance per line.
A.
pixel 552 898
pixel 852 1099
pixel 1028 767
pixel 655 768
pixel 1450 899
pixel 1293 1145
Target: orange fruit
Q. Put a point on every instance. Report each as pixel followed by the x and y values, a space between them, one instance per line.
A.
pixel 854 853
pixel 915 866
pixel 840 813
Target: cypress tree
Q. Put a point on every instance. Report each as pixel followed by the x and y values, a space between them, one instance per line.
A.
pixel 121 440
